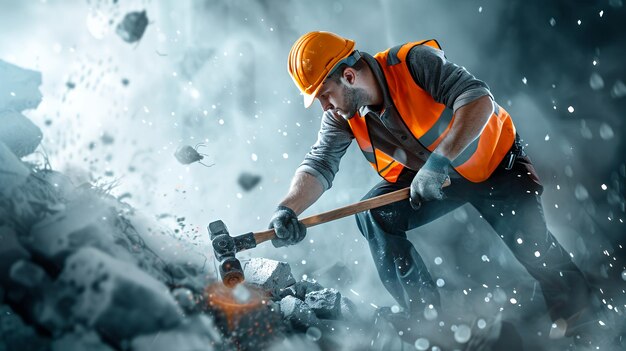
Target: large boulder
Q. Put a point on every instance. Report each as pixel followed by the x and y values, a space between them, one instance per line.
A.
pixel 117 298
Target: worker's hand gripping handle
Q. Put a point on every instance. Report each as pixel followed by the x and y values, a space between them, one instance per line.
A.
pixel 360 206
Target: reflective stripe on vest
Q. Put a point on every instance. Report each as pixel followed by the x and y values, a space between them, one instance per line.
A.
pixel 429 122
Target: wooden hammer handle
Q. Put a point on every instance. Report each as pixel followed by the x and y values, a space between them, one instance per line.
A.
pixel 341 212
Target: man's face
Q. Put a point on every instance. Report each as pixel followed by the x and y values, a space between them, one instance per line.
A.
pixel 340 98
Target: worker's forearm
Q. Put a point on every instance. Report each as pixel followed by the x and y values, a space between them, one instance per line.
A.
pixel 469 122
pixel 305 189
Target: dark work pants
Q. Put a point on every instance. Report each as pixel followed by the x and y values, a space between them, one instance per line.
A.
pixel 518 190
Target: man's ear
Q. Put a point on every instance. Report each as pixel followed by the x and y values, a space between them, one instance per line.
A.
pixel 349 74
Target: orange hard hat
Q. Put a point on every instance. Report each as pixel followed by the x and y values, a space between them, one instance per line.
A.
pixel 312 57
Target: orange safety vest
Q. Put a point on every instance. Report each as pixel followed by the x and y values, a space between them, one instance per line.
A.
pixel 429 122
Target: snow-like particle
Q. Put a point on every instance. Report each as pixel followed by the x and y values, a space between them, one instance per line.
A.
pixel 547 137
pixel 480 9
pixel 438 260
pixel 595 81
pixel 430 313
pixel 285 155
pixel 221 121
pixel 537 253
pixel 239 195
pixel 462 334
pixel 603 186
pixel 570 109
pixel 422 344
pixel 601 323
pixel 606 132
pixel 484 258
pixel 395 309
pixel 580 192
pixel 624 275
pixel 524 80
pixel 513 301
pixel 481 324
pixel 580 22
pixel 313 333
pixel 303 261
pixel 552 21
pixel 441 282
pixel 519 240
pixel 601 13
pixel 254 157
pixel 618 90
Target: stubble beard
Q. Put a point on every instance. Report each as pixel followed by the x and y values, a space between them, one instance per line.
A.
pixel 353 99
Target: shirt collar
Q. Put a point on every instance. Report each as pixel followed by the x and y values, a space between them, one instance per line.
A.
pixel 382 83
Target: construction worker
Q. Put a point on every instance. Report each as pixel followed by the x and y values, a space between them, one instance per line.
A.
pixel 421 121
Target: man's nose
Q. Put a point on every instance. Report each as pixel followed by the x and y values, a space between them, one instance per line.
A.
pixel 326 105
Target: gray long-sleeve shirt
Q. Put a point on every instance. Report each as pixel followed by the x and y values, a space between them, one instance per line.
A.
pixel 446 82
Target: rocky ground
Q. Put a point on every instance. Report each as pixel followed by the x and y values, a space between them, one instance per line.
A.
pixel 82 270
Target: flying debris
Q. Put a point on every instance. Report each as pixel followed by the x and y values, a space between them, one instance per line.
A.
pixel 187 155
pixel 248 181
pixel 133 26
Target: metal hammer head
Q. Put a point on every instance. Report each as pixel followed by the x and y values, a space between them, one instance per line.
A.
pixel 225 248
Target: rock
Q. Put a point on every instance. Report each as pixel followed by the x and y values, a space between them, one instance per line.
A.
pixel 10 252
pixel 133 26
pixel 16 335
pixel 195 334
pixel 348 309
pixel 87 221
pixel 269 275
pixel 29 276
pixel 247 181
pixel 19 89
pixel 117 298
pixel 326 303
pixel 303 287
pixel 185 299
pixel 297 313
pixel 19 134
pixel 80 341
pixel 13 173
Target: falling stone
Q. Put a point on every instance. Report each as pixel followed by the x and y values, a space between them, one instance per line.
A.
pixel 133 26
pixel 596 82
pixel 248 181
pixel 462 334
pixel 618 90
pixel 187 154
pixel 606 132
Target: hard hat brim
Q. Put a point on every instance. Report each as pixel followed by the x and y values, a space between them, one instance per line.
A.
pixel 310 98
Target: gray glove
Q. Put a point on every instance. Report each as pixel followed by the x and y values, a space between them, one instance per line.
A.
pixel 289 230
pixel 428 182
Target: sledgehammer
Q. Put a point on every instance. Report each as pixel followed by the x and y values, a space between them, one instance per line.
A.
pixel 226 246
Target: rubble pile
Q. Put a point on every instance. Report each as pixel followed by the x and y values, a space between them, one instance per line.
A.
pixel 82 270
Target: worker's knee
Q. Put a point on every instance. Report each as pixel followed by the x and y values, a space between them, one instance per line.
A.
pixel 377 222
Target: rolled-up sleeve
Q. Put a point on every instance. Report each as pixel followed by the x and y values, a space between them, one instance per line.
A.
pixel 446 82
pixel 333 139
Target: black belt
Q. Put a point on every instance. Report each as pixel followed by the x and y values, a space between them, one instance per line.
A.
pixel 517 150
